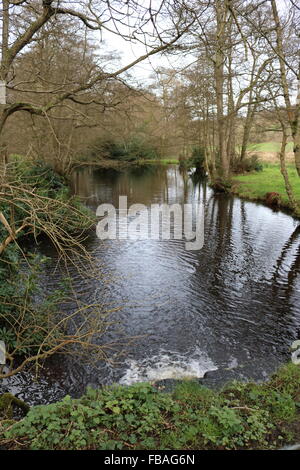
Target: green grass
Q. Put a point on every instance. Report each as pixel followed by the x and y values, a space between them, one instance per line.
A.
pixel 269 147
pixel 240 416
pixel 255 185
pixel 163 161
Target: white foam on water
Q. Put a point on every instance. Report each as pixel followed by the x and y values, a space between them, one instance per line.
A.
pixel 233 363
pixel 167 365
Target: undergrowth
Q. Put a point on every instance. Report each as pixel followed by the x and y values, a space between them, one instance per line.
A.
pixel 34 193
pixel 240 416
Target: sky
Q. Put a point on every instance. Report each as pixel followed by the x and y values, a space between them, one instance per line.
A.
pixel 130 51
pixel 143 73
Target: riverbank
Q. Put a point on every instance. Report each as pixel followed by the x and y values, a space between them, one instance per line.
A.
pixel 163 161
pixel 107 163
pixel 245 328
pixel 267 186
pixel 192 417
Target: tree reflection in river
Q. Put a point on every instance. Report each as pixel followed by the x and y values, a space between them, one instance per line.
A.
pixel 231 299
pixel 235 303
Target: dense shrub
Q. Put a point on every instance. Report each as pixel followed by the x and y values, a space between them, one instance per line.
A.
pixel 37 193
pixel 135 148
pixel 250 163
pixel 196 160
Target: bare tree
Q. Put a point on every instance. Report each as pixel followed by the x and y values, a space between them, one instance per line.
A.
pixel 25 23
pixel 293 112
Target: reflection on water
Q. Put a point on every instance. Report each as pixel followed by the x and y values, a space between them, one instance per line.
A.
pixel 235 303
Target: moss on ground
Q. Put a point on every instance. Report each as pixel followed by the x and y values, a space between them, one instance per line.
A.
pixel 7 404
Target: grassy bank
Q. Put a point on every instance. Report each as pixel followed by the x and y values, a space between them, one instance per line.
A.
pixel 254 186
pixel 107 163
pixel 240 416
pixel 163 161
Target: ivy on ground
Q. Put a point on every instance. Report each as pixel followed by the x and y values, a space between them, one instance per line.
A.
pixel 240 416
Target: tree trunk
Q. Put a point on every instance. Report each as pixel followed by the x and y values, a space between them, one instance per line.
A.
pixel 247 130
pixel 231 118
pixel 284 172
pixel 293 121
pixel 219 85
pixel 296 130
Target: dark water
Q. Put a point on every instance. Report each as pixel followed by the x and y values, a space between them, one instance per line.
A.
pixel 233 304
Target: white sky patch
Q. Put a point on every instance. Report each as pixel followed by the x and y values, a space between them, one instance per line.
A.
pixel 130 51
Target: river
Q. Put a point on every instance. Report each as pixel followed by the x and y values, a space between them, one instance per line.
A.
pixel 233 304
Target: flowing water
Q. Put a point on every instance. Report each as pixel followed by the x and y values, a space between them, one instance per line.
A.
pixel 233 304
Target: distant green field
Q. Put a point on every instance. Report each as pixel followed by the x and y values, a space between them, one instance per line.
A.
pixel 269 147
pixel 272 147
pixel 256 185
